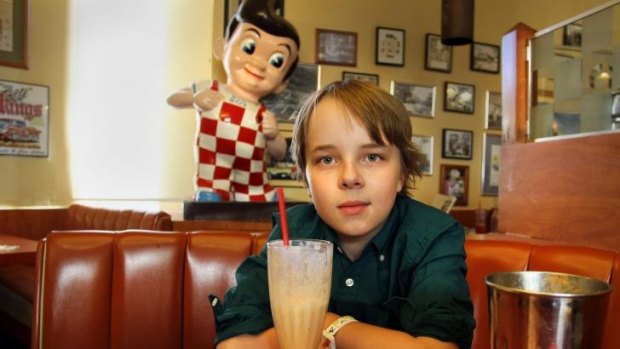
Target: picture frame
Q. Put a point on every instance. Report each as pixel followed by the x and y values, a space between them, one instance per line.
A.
pixel 302 83
pixel 349 75
pixel 485 58
pixel 489 179
pixel 459 98
pixel 334 47
pixel 390 47
pixel 25 131
pixel 426 145
pixel 493 111
pixel 454 181
pixel 231 7
pixel 571 34
pixel 14 34
pixel 419 100
pixel 457 144
pixel 437 56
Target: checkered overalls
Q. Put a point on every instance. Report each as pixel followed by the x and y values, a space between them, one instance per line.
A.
pixel 231 150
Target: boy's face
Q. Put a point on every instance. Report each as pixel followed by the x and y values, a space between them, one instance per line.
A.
pixel 353 180
pixel 256 62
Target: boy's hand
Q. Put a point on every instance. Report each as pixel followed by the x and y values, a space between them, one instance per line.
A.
pixel 207 99
pixel 270 125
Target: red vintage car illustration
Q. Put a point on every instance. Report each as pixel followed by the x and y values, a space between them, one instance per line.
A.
pixel 17 130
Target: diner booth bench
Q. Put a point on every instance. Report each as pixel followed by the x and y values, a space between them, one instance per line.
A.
pixel 137 289
pixel 17 280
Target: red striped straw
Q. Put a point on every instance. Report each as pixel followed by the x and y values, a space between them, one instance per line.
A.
pixel 283 222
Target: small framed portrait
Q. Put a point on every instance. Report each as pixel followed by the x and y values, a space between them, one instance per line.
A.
pixel 14 33
pixel 490 164
pixel 425 143
pixel 419 100
pixel 390 48
pixel 485 58
pixel 459 97
pixel 336 47
pixel 349 75
pixel 493 113
pixel 457 144
pixel 438 57
pixel 572 35
pixel 455 182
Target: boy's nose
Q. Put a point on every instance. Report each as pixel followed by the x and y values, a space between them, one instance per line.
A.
pixel 258 62
pixel 351 177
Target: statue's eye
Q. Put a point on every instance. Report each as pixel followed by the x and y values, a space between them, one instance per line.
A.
pixel 248 46
pixel 277 60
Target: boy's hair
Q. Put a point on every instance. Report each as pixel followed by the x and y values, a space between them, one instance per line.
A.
pixel 381 114
pixel 261 14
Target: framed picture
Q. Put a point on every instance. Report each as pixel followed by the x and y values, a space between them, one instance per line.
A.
pixel 455 181
pixel 336 47
pixel 484 58
pixel 459 98
pixel 24 128
pixel 390 47
pixel 572 35
pixel 14 34
pixel 490 164
pixel 438 57
pixel 457 144
pixel 493 114
pixel 303 81
pixel 231 6
pixel 349 75
pixel 425 143
pixel 419 100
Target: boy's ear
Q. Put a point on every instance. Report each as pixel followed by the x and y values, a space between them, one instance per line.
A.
pixel 218 48
pixel 281 88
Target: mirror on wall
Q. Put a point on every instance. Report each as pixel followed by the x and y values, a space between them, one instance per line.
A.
pixel 574 87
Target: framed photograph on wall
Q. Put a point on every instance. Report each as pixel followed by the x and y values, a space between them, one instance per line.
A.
pixel 426 146
pixel 390 47
pixel 14 34
pixel 493 113
pixel 457 144
pixel 490 164
pixel 571 35
pixel 419 100
pixel 303 81
pixel 349 75
pixel 438 57
pixel 336 47
pixel 455 181
pixel 484 58
pixel 24 130
pixel 459 97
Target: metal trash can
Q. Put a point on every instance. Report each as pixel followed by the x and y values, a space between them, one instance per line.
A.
pixel 531 310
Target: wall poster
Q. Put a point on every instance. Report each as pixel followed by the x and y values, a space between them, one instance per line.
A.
pixel 24 119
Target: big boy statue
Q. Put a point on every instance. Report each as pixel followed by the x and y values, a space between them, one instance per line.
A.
pixel 234 128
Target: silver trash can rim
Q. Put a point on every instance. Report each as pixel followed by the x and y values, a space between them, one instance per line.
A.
pixel 546 283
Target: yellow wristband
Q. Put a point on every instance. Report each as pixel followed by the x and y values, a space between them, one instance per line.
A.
pixel 330 332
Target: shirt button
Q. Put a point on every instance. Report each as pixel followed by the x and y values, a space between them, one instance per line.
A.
pixel 381 258
pixel 349 282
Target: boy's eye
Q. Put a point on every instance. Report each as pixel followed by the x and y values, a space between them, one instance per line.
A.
pixel 248 46
pixel 326 160
pixel 374 157
pixel 276 60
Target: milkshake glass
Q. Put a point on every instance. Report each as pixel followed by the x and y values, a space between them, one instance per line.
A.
pixel 300 276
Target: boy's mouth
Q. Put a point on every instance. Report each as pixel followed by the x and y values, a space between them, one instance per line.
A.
pixel 253 74
pixel 353 207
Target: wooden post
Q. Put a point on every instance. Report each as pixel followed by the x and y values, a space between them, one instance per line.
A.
pixel 515 84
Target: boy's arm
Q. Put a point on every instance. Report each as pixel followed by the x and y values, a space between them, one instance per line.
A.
pixel 205 99
pixel 183 98
pixel 274 142
pixel 264 340
pixel 359 335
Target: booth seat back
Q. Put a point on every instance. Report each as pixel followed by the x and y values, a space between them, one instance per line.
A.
pixel 137 289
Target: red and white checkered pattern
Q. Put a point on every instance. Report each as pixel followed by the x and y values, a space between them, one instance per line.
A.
pixel 231 150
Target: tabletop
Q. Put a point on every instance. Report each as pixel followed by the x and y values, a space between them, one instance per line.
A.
pixel 17 250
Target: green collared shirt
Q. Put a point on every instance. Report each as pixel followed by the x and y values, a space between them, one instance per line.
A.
pixel 410 277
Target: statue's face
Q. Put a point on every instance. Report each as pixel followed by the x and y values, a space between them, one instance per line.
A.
pixel 256 62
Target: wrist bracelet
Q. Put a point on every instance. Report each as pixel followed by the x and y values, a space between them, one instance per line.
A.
pixel 330 332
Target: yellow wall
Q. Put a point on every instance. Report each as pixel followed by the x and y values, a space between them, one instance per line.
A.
pixel 193 24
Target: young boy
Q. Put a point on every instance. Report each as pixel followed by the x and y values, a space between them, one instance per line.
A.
pixel 235 129
pixel 399 265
